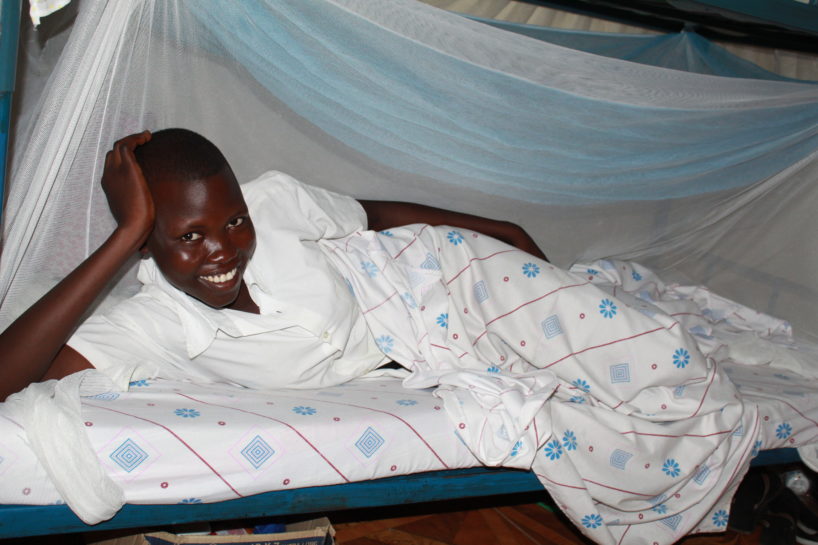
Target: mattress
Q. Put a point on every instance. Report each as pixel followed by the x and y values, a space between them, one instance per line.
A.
pixel 168 442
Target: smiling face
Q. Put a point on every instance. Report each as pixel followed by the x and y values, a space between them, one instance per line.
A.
pixel 203 239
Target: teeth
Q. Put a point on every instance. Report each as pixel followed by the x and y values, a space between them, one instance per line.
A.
pixel 221 278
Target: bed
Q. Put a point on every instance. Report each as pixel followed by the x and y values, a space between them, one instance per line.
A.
pixel 368 443
pixel 187 452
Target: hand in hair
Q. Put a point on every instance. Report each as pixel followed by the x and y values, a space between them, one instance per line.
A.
pixel 125 187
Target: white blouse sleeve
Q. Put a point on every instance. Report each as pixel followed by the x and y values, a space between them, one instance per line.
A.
pixel 278 201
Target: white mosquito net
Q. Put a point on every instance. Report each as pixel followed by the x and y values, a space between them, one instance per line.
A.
pixel 706 178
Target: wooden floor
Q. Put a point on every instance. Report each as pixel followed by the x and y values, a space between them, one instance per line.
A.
pixel 502 524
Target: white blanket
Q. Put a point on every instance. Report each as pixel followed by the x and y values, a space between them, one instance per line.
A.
pixel 590 377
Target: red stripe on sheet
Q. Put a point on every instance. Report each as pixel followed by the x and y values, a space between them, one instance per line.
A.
pixel 619 489
pixel 407 424
pixel 541 476
pixel 709 384
pixel 182 441
pixel 541 297
pixel 381 303
pixel 413 241
pixel 621 539
pixel 699 435
pixel 802 415
pixel 321 454
pixel 610 343
pixel 346 244
pixel 472 260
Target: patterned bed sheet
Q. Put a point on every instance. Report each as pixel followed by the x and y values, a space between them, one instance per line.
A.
pixel 787 403
pixel 169 442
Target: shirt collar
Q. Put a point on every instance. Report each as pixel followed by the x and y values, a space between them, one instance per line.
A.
pixel 199 321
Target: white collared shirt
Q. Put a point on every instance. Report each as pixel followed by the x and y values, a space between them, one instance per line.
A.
pixel 309 333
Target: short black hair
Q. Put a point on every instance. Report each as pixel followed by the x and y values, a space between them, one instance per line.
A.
pixel 180 155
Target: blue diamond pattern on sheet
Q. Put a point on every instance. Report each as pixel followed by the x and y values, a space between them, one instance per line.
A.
pixel 129 455
pixel 701 474
pixel 257 451
pixel 672 522
pixel 369 442
pixel 107 396
pixel 656 500
pixel 620 458
pixel 620 372
pixel 481 293
pixel 551 326
pixel 431 263
pixel 416 279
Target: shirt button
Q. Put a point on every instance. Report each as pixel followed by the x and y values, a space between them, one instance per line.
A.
pixel 325 335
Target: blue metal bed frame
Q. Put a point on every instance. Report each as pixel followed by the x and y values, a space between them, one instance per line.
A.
pixel 39 520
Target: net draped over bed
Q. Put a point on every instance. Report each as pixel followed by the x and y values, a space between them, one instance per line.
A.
pixel 704 177
pixel 596 157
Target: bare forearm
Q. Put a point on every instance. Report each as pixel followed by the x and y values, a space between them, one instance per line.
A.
pixel 385 214
pixel 29 346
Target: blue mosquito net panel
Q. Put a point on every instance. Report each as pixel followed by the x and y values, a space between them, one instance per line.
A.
pixel 680 51
pixel 703 176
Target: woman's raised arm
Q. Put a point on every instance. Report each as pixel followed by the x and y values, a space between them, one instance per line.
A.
pixel 33 347
pixel 385 214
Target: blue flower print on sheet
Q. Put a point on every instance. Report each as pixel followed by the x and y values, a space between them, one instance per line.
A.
pixel 671 468
pixel 515 450
pixel 138 383
pixel 661 508
pixel 756 448
pixel 569 440
pixel 387 233
pixel 577 399
pixel 187 413
pixel 720 518
pixel 190 501
pixel 592 272
pixel 406 402
pixel 369 268
pixel 607 308
pixel 493 369
pixel 681 358
pixel 783 430
pixel 454 237
pixel 304 411
pixel 636 276
pixel 531 270
pixel 581 384
pixel 385 343
pixel 553 450
pixel 443 320
pixel 592 521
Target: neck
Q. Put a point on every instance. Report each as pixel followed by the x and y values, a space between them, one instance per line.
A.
pixel 244 302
